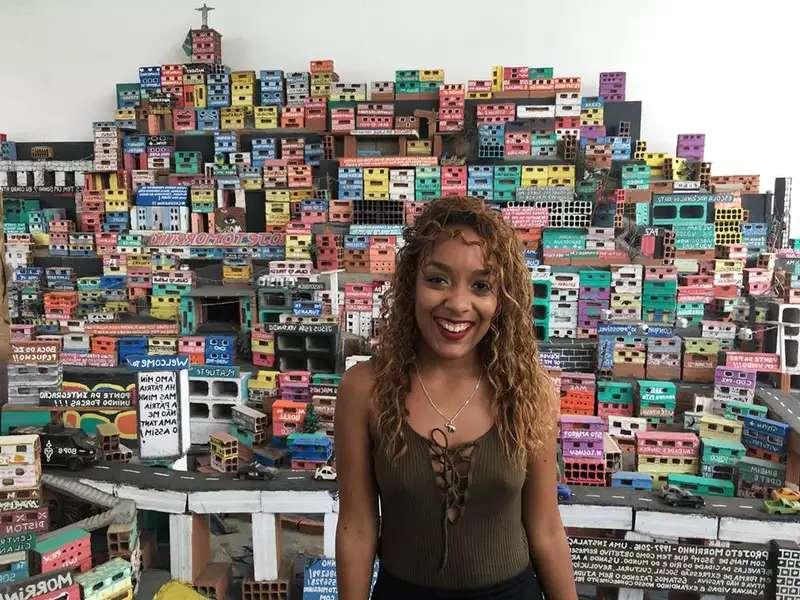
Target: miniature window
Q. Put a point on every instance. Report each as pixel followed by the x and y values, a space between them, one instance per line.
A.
pixel 22 448
pixel 691 211
pixel 198 387
pixel 198 410
pixel 224 388
pixel 664 212
pixel 221 411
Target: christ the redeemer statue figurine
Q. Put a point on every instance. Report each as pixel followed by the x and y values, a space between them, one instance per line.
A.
pixel 205 10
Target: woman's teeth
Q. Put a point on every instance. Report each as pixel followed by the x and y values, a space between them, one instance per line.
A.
pixel 453 327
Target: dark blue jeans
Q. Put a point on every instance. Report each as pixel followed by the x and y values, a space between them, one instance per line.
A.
pixel 524 586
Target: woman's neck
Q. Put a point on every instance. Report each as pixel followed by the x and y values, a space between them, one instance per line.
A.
pixel 468 366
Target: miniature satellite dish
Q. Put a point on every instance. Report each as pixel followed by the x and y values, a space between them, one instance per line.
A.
pixel 644 327
pixel 682 322
pixel 745 334
pixel 606 313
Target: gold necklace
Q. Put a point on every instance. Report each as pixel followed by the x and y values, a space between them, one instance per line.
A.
pixel 449 422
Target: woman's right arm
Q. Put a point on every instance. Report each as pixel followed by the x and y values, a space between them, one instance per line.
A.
pixel 357 529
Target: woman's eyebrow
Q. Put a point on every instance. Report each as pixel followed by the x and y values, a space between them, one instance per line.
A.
pixel 444 267
pixel 438 265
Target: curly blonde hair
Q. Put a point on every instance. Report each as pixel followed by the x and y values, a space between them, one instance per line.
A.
pixel 522 393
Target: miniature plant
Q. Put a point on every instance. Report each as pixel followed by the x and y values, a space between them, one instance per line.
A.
pixel 311 423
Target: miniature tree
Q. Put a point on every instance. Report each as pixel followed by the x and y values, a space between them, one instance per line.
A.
pixel 311 423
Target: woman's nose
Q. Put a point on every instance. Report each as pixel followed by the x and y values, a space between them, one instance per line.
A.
pixel 458 299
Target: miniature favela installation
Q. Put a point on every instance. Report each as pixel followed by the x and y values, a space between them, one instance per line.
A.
pixel 186 287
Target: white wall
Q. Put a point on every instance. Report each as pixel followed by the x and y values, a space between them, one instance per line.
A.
pixel 726 69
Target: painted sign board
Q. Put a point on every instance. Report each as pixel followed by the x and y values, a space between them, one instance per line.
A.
pixel 163 413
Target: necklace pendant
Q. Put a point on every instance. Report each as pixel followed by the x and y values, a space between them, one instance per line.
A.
pixel 450 427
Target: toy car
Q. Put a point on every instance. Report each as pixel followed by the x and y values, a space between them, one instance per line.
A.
pixel 63 446
pixel 325 473
pixel 787 493
pixel 564 494
pixel 782 507
pixel 257 471
pixel 677 496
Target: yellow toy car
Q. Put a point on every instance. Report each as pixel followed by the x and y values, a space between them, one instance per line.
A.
pixel 789 494
pixel 782 507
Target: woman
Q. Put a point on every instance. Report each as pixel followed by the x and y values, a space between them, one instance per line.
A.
pixel 452 425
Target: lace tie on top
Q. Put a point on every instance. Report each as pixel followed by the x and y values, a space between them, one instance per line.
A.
pixel 452 470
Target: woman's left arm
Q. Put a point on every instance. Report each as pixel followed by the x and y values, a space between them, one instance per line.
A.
pixel 546 536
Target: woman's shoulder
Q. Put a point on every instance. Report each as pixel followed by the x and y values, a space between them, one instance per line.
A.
pixel 359 377
pixel 356 386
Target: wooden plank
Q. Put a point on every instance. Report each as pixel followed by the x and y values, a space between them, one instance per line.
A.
pixel 189 546
pixel 331 519
pixel 758 532
pixel 296 502
pixel 676 525
pixel 596 517
pixel 229 501
pixel 159 500
pixel 266 546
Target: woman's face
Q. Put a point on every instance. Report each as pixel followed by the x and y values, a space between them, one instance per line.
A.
pixel 456 296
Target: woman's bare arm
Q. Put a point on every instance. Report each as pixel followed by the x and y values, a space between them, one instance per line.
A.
pixel 357 530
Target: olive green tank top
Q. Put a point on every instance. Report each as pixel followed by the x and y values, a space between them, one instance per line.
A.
pixel 451 518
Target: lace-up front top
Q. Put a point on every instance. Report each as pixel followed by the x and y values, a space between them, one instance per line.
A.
pixel 451 516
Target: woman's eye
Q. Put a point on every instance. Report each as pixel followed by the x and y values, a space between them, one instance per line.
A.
pixel 437 279
pixel 483 286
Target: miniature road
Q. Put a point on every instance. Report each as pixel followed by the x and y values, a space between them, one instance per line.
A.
pixel 181 481
pixel 786 405
pixel 717 506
